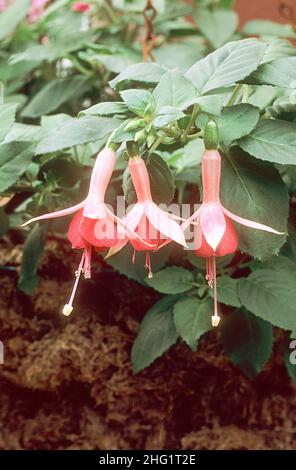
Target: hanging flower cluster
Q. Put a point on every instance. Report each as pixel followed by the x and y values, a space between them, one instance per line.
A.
pixel 147 227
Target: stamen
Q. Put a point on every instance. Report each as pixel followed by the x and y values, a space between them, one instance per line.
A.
pixel 148 265
pixel 215 318
pixel 210 267
pixel 68 308
pixel 134 257
pixel 87 263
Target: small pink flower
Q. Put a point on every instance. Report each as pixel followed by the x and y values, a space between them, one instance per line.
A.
pixel 152 224
pixel 36 10
pixel 215 234
pixel 81 7
pixel 3 5
pixel 94 224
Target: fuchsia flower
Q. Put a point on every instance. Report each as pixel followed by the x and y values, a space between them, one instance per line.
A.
pixel 36 9
pixel 215 234
pixel 151 223
pixel 94 224
pixel 81 7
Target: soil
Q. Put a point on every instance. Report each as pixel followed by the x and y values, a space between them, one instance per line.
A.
pixel 67 383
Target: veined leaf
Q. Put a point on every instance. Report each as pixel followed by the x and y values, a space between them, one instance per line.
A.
pixel 192 319
pixel 270 295
pixel 15 157
pixel 7 118
pixel 172 280
pixel 218 25
pixel 237 121
pixel 272 140
pixel 227 291
pixel 254 190
pixel 156 335
pixel 143 72
pixel 53 95
pixel 268 28
pixel 139 101
pixel 105 109
pixel 174 90
pixel 279 72
pixel 247 341
pixel 227 65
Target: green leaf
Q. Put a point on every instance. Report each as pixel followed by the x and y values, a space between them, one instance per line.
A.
pixel 12 16
pixel 105 109
pixel 53 95
pixel 7 118
pixel 280 72
pixel 172 280
pixel 138 73
pixel 237 121
pixel 174 90
pixel 4 222
pixel 76 132
pixel 166 115
pixel 290 360
pixel 272 140
pixel 227 65
pixel 188 156
pixel 217 26
pixel 227 291
pixel 161 181
pixel 15 157
pixel 268 28
pixel 32 254
pixel 139 101
pixel 247 341
pixel 156 335
pixel 254 190
pixel 270 295
pixel 192 319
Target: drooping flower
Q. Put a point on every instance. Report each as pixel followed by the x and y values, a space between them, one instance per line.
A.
pixel 94 225
pixel 81 7
pixel 215 234
pixel 152 224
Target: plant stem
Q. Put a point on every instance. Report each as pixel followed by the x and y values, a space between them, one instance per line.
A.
pixel 235 94
pixel 192 119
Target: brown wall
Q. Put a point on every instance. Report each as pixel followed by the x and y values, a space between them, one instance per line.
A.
pixel 263 9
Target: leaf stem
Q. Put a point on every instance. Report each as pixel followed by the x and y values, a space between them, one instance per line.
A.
pixel 235 94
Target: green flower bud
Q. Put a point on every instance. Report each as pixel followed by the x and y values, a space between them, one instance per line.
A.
pixel 211 137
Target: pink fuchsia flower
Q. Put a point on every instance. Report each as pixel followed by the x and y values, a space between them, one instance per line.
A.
pixel 36 10
pixel 152 224
pixel 81 7
pixel 215 234
pixel 94 224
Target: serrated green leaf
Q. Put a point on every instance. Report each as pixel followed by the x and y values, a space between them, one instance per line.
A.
pixel 32 254
pixel 174 90
pixel 247 341
pixel 227 291
pixel 12 16
pixel 7 118
pixel 166 115
pixel 273 141
pixel 280 72
pixel 237 121
pixel 192 319
pixel 254 190
pixel 270 295
pixel 156 335
pixel 227 65
pixel 172 280
pixel 76 132
pixel 138 101
pixel 108 108
pixel 217 26
pixel 138 73
pixel 53 95
pixel 15 157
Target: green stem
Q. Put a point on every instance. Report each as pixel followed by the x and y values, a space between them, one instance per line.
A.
pixel 235 94
pixel 192 120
